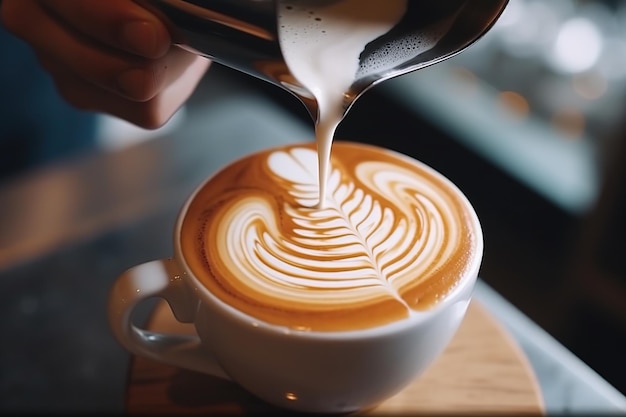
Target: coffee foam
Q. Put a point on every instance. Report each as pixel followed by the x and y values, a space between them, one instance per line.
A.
pixel 393 239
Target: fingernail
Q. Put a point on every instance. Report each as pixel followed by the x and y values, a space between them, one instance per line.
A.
pixel 141 38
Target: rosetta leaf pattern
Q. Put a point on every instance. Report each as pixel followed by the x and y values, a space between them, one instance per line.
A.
pixel 354 230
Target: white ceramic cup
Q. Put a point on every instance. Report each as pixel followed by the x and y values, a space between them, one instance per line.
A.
pixel 309 371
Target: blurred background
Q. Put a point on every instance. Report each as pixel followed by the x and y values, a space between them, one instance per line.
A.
pixel 529 122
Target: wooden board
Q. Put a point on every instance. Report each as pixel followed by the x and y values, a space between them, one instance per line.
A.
pixel 481 371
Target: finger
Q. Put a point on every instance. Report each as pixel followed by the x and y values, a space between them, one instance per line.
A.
pixel 29 21
pixel 150 114
pixel 103 67
pixel 142 84
pixel 15 14
pixel 121 24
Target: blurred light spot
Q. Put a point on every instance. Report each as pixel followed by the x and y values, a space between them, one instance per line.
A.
pixel 569 121
pixel 515 103
pixel 291 396
pixel 590 86
pixel 578 46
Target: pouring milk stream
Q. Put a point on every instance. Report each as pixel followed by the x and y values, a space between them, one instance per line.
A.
pixel 322 41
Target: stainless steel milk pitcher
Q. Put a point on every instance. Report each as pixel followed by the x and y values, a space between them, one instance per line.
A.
pixel 241 34
pixel 244 35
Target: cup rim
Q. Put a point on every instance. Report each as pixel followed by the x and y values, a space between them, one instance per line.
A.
pixel 416 318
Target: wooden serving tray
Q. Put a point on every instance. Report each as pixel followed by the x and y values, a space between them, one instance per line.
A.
pixel 481 371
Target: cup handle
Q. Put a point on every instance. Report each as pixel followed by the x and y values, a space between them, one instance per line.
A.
pixel 160 278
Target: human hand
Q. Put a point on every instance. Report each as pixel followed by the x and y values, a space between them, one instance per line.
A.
pixel 110 56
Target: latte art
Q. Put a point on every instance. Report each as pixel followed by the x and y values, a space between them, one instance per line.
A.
pixel 392 238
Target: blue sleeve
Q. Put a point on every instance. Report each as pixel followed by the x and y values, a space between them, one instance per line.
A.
pixel 36 125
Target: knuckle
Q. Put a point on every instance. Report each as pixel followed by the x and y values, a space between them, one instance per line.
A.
pixel 150 121
pixel 141 84
pixel 152 116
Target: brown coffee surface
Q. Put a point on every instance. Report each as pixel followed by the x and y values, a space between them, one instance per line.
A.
pixel 393 238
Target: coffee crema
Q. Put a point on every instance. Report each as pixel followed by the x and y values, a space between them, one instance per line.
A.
pixel 393 239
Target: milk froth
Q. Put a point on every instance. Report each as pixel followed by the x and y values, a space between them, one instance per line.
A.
pixel 323 42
